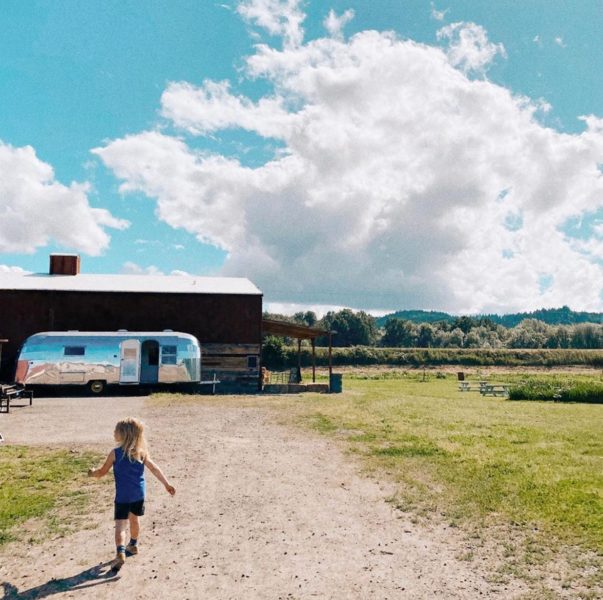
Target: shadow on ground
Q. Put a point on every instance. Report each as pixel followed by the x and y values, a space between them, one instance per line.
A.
pixel 76 391
pixel 93 576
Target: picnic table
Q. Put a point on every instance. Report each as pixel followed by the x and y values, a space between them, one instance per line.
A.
pixel 494 389
pixel 10 392
pixel 471 386
pixel 484 388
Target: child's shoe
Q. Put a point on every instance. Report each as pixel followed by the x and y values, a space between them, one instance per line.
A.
pixel 132 549
pixel 118 562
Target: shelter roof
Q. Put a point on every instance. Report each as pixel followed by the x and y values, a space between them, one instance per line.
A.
pixel 294 330
pixel 169 284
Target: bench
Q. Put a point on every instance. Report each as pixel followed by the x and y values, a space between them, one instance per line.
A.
pixel 11 392
pixel 494 390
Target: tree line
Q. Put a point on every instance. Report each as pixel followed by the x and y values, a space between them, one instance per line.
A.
pixel 358 328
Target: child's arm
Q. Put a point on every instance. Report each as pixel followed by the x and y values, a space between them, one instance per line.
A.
pixel 159 474
pixel 105 468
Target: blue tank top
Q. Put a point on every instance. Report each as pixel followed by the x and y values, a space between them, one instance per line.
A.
pixel 129 478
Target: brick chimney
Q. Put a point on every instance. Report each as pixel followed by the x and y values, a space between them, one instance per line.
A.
pixel 64 264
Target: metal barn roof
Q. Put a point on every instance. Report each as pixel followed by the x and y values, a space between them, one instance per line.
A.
pixel 169 284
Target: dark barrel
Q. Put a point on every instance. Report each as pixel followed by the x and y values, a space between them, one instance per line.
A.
pixel 336 383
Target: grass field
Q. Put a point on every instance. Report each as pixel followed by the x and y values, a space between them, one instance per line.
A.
pixel 471 457
pixel 531 468
pixel 36 481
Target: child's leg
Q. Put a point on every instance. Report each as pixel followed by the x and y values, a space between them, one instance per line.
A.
pixel 134 526
pixel 120 532
pixel 120 542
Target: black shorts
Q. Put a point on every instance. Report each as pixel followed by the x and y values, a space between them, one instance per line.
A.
pixel 122 510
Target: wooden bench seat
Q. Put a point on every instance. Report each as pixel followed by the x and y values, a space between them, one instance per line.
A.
pixel 11 392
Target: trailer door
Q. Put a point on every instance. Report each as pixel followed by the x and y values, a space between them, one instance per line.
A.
pixel 149 362
pixel 129 364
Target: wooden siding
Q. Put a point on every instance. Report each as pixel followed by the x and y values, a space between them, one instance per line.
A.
pixel 230 362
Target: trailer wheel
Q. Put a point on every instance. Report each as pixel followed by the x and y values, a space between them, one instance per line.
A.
pixel 96 387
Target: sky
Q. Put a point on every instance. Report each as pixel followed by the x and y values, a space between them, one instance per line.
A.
pixel 374 154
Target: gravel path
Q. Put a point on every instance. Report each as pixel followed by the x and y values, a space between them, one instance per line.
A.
pixel 261 511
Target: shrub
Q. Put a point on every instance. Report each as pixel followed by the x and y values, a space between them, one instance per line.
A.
pixel 535 390
pixel 274 353
pixel 419 357
pixel 583 392
pixel 566 391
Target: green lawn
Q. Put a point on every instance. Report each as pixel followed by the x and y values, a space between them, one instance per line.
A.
pixel 35 482
pixel 474 459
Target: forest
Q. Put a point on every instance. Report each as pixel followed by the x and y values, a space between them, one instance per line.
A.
pixel 565 330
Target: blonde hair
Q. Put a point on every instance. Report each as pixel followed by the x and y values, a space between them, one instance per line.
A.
pixel 129 433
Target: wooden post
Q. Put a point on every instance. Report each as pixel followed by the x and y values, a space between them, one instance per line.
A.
pixel 313 360
pixel 299 377
pixel 1 342
pixel 260 366
pixel 330 359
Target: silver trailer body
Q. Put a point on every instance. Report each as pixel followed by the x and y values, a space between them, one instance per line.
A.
pixel 100 358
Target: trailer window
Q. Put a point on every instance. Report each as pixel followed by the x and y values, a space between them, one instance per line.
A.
pixel 168 355
pixel 252 362
pixel 75 350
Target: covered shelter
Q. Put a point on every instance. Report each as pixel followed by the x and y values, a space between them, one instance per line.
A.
pixel 299 332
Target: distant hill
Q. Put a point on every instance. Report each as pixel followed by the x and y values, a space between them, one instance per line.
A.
pixel 416 316
pixel 552 316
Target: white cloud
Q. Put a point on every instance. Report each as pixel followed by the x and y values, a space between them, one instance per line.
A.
pixel 281 18
pixel 212 107
pixel 402 182
pixel 35 208
pixel 320 310
pixel 559 41
pixel 132 268
pixel 438 15
pixel 469 47
pixel 9 269
pixel 335 23
pixel 140 242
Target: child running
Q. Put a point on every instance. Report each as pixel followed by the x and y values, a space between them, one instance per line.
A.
pixel 129 460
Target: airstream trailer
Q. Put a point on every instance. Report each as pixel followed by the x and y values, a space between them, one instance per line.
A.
pixel 99 358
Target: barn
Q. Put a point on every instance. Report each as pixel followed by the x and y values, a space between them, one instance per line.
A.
pixel 223 313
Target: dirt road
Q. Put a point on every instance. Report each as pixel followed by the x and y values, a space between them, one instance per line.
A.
pixel 261 511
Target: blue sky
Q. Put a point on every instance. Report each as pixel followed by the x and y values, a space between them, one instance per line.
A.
pixel 249 179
